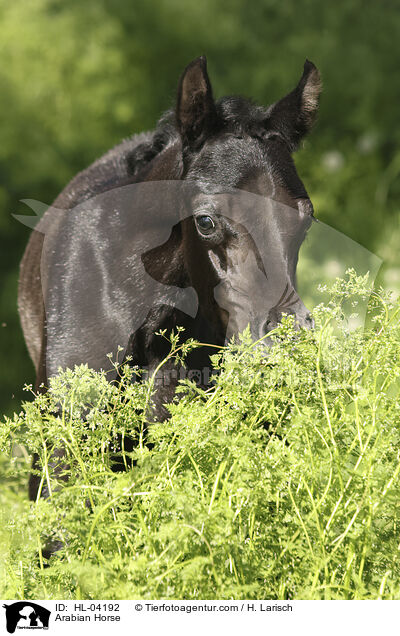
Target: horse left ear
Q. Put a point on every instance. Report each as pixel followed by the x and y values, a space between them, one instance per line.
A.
pixel 196 114
pixel 294 115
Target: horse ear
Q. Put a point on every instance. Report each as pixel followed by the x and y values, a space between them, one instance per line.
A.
pixel 294 115
pixel 196 114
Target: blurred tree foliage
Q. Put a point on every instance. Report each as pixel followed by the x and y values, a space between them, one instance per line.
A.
pixel 77 77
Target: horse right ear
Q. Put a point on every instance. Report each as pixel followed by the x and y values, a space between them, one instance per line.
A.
pixel 196 115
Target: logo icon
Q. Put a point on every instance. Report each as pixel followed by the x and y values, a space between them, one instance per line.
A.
pixel 26 615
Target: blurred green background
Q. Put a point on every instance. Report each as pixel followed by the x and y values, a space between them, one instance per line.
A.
pixel 76 77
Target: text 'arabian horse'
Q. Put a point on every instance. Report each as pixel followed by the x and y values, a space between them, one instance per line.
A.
pixel 196 224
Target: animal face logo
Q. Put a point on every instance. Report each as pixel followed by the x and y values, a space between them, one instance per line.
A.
pixel 26 615
pixel 148 248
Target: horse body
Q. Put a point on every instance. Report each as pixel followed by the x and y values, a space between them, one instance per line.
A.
pixel 79 288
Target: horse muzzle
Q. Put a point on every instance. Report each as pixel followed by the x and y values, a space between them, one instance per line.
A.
pixel 302 319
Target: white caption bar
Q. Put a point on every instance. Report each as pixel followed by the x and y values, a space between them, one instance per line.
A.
pixel 195 617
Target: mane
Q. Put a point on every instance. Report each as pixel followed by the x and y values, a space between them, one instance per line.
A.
pixel 142 154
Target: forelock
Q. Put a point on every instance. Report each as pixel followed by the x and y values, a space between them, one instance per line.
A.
pixel 241 116
pixel 227 160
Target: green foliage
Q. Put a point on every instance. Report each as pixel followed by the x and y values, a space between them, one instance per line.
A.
pixel 78 77
pixel 280 481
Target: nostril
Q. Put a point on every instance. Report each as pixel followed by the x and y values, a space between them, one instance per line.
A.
pixel 310 323
pixel 268 325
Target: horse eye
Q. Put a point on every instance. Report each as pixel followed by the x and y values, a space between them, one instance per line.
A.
pixel 205 224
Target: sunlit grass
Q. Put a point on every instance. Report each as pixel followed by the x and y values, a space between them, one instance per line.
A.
pixel 281 481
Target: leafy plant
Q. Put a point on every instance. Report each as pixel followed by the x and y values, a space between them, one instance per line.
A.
pixel 280 481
